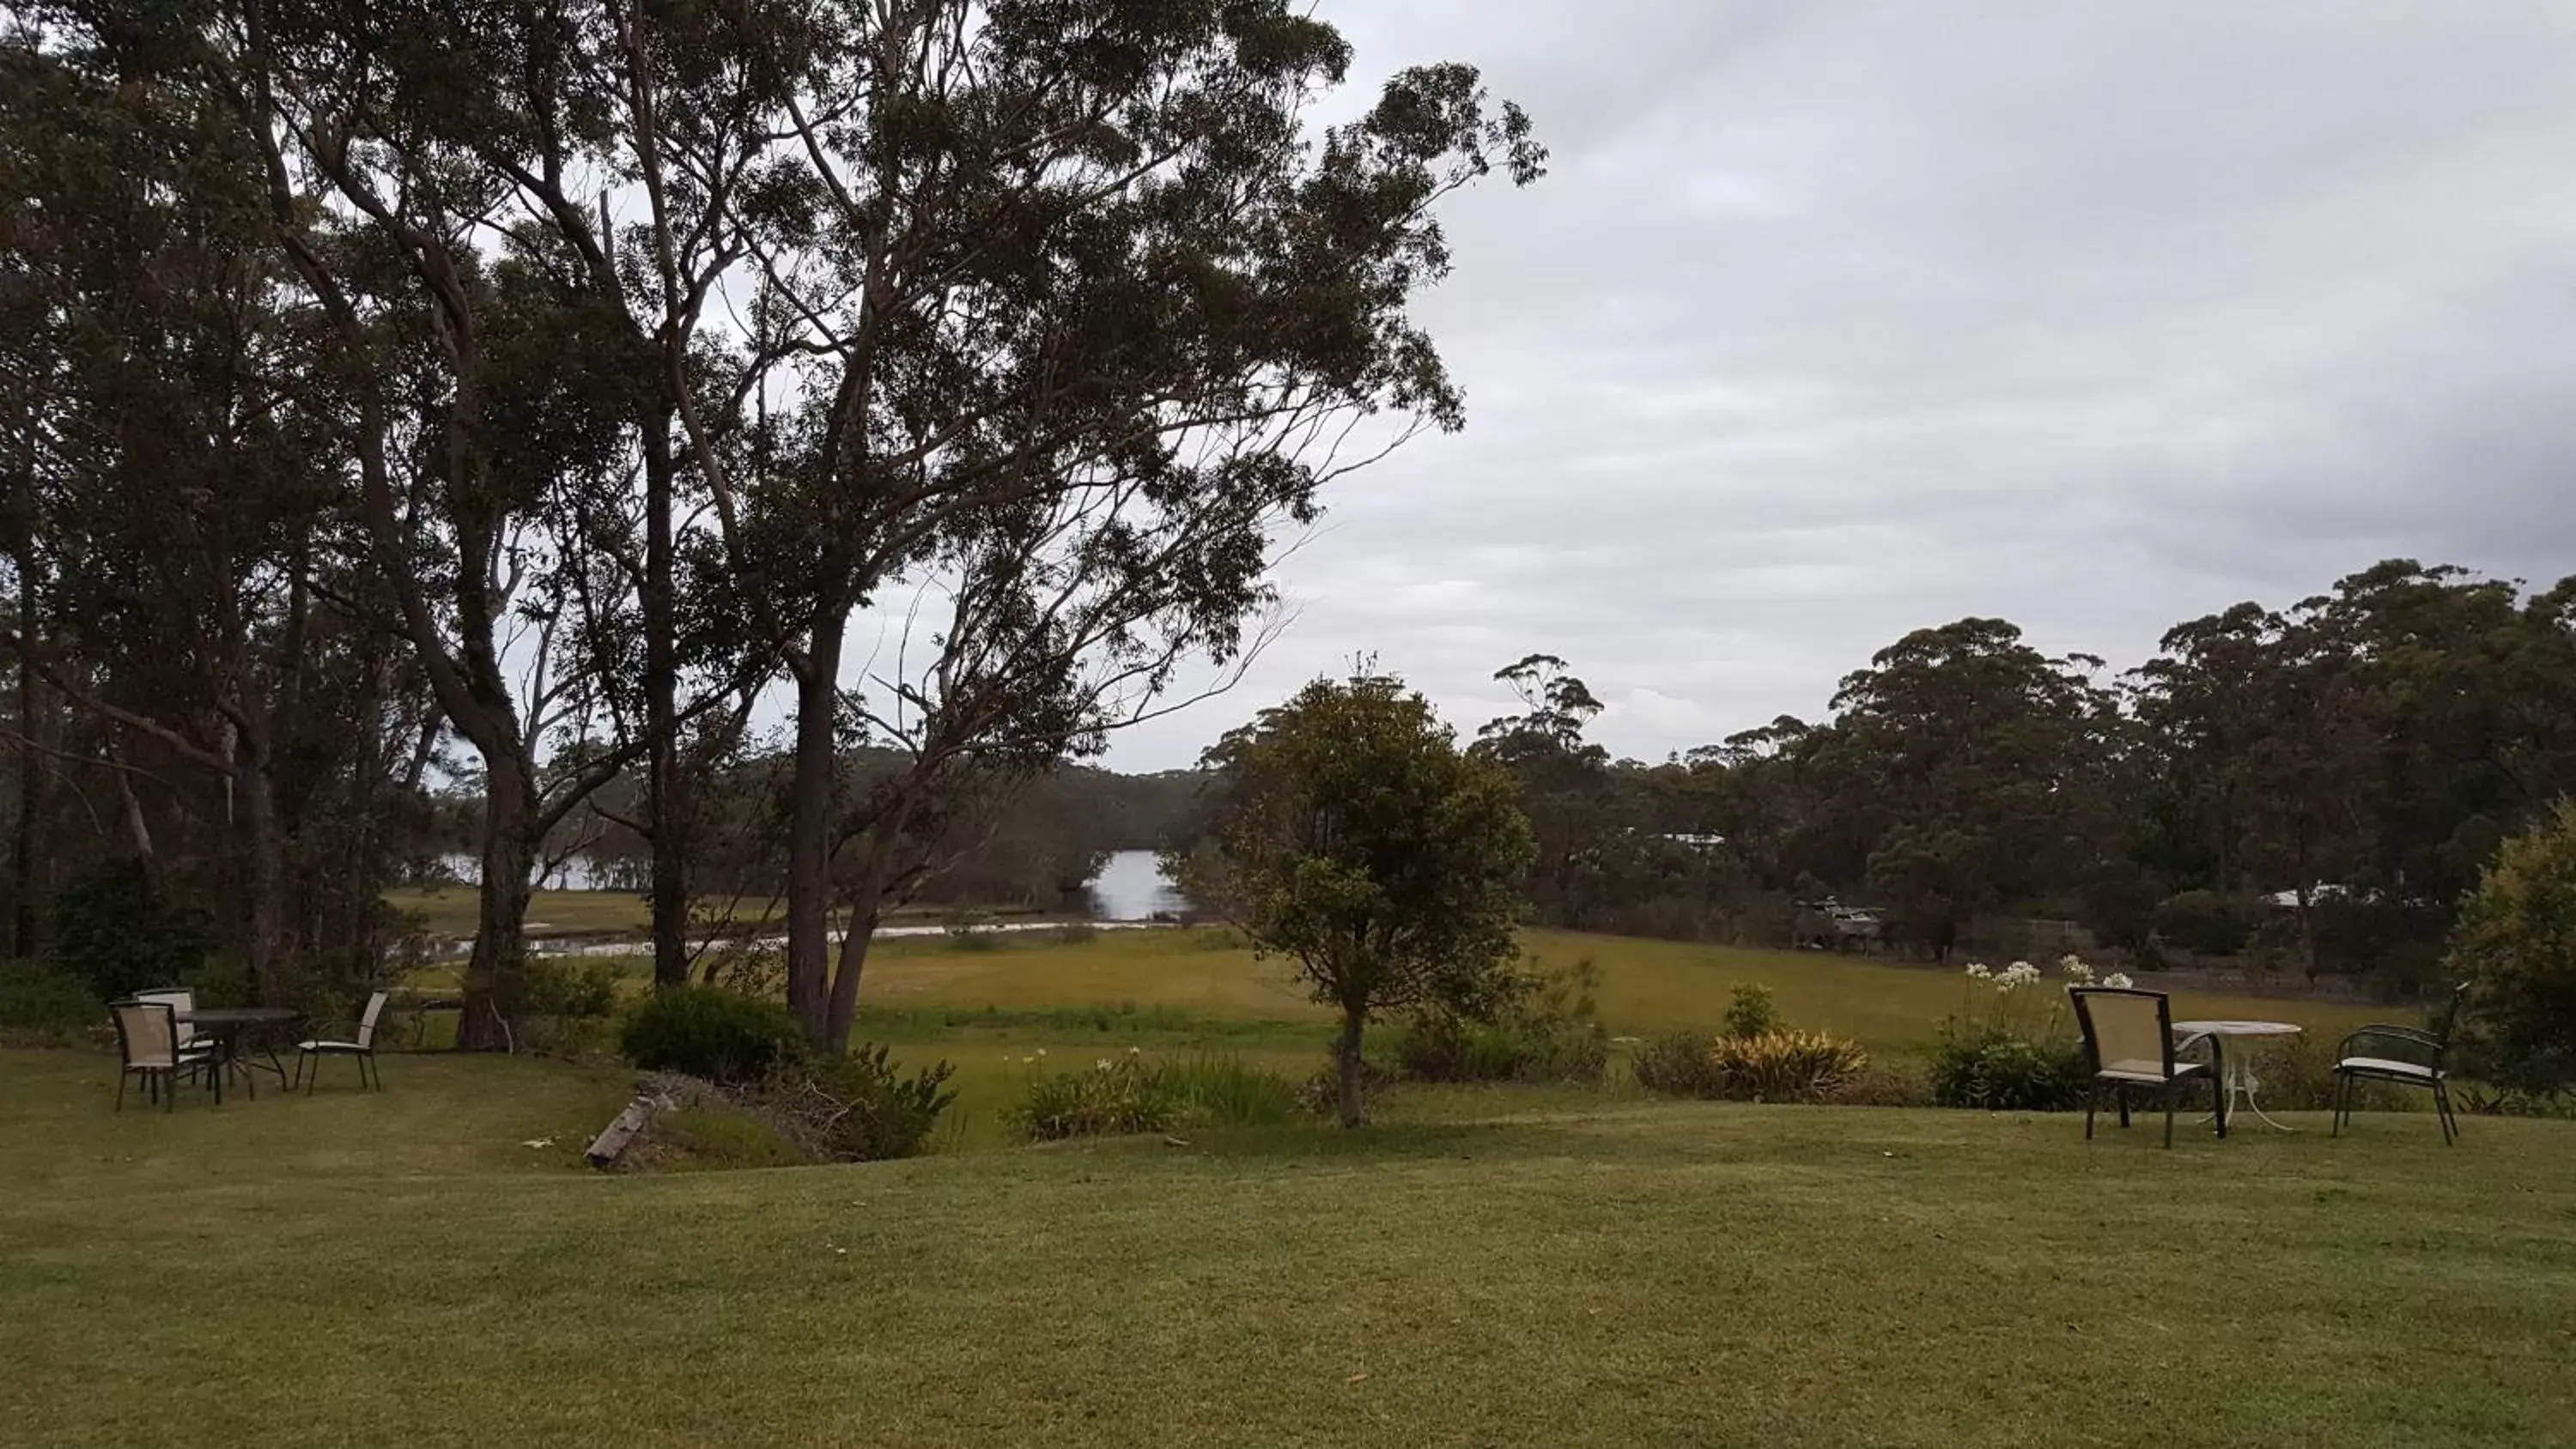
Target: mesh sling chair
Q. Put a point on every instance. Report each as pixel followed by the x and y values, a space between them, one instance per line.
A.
pixel 147 1044
pixel 361 1045
pixel 2128 1042
pixel 2392 1063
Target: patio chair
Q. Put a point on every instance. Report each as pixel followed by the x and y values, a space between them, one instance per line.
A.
pixel 181 1001
pixel 361 1044
pixel 2128 1042
pixel 2391 1063
pixel 147 1045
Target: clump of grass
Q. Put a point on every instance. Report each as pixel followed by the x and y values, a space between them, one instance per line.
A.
pixel 1122 1096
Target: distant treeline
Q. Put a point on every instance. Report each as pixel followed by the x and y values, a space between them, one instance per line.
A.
pixel 2310 788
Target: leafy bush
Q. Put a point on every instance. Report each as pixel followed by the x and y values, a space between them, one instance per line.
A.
pixel 1223 1090
pixel 1749 1011
pixel 1785 1066
pixel 114 929
pixel 1115 1098
pixel 558 988
pixel 708 1032
pixel 47 1004
pixel 2211 923
pixel 1998 1071
pixel 2516 946
pixel 857 1108
pixel 1124 1095
pixel 1682 1064
pixel 1542 1031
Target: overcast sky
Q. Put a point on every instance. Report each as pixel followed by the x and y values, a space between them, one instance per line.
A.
pixel 1836 320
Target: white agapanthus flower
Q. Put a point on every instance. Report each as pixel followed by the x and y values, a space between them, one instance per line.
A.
pixel 2021 973
pixel 2118 981
pixel 1980 971
pixel 2075 969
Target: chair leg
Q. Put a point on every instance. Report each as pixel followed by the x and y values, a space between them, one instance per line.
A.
pixel 170 1092
pixel 2170 1094
pixel 2092 1099
pixel 2442 1109
pixel 2122 1092
pixel 121 1075
pixel 313 1078
pixel 2342 1095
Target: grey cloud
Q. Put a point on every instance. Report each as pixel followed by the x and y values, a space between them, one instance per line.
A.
pixel 1836 321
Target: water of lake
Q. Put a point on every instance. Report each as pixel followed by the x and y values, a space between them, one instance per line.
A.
pixel 1132 887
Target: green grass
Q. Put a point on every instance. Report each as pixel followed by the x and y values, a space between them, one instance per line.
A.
pixel 1487 1267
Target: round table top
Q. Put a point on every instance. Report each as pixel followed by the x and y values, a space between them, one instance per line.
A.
pixel 238 1015
pixel 2236 1028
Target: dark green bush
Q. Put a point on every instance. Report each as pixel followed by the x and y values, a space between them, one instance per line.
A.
pixel 709 1032
pixel 1118 1097
pixel 1543 1031
pixel 1683 1064
pixel 2516 946
pixel 2209 923
pixel 559 988
pixel 45 1003
pixel 858 1108
pixel 1749 1011
pixel 114 928
pixel 1999 1072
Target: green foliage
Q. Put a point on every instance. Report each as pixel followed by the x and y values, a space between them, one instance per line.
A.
pixel 40 1002
pixel 1998 1071
pixel 1785 1066
pixel 1544 1031
pixel 1680 1064
pixel 1124 1095
pixel 2516 947
pixel 1749 1011
pixel 709 1032
pixel 115 929
pixel 1354 838
pixel 1774 1066
pixel 1117 1097
pixel 2208 923
pixel 857 1107
pixel 571 991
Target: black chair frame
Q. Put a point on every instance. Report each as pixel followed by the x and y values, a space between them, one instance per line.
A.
pixel 2436 1043
pixel 160 1084
pixel 2178 1074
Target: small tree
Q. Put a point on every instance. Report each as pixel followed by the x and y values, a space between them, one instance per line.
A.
pixel 1353 836
pixel 2516 946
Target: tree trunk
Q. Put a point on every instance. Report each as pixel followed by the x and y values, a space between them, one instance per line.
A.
pixel 1346 1059
pixel 31 779
pixel 265 843
pixel 666 809
pixel 867 903
pixel 809 828
pixel 496 974
pixel 845 983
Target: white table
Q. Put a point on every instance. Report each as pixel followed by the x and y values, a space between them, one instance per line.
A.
pixel 2237 1062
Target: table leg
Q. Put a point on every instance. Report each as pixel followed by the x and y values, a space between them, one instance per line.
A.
pixel 2246 1080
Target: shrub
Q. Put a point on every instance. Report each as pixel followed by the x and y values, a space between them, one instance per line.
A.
pixel 706 1031
pixel 1114 1098
pixel 1785 1066
pixel 114 929
pixel 1749 1011
pixel 1223 1090
pixel 859 1107
pixel 1682 1064
pixel 559 988
pixel 2210 923
pixel 2516 946
pixel 2001 1072
pixel 47 1004
pixel 1543 1031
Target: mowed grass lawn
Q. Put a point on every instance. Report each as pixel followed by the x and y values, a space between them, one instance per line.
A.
pixel 1482 1268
